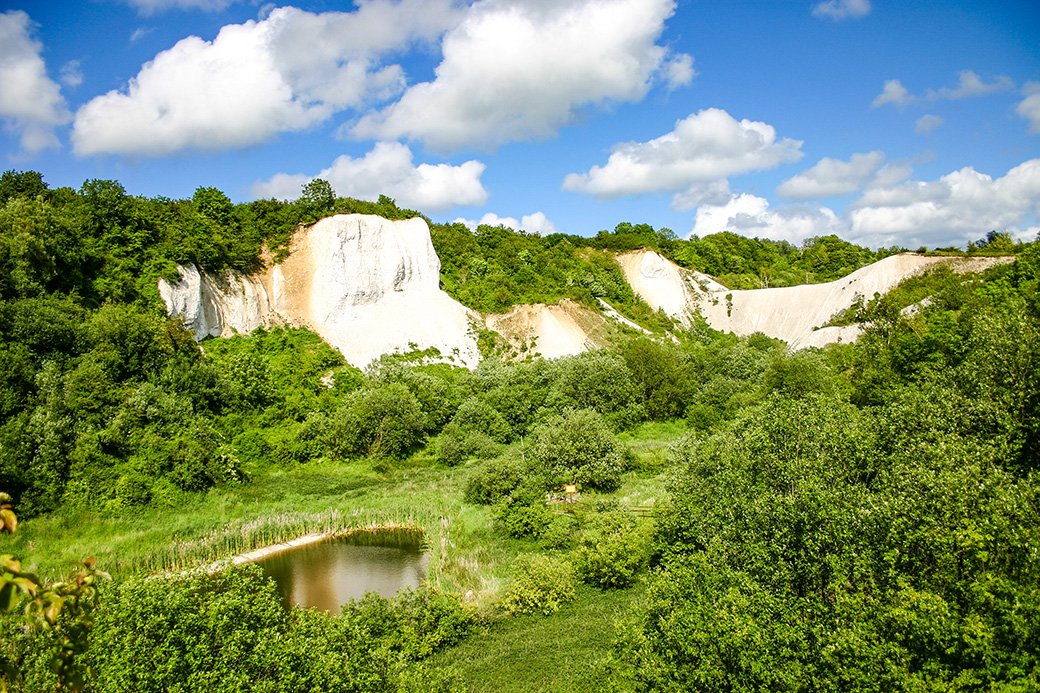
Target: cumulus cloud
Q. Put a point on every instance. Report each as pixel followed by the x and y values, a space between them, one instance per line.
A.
pixel 959 206
pixel 388 170
pixel 678 72
pixel 254 80
pixel 895 93
pixel 520 69
pixel 971 85
pixel 31 104
pixel 1029 108
pixel 927 123
pixel 707 146
pixel 831 177
pixel 751 216
pixel 531 223
pixel 714 192
pixel 842 9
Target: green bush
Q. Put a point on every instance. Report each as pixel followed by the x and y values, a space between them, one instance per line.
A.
pixel 561 532
pixel 600 381
pixel 455 445
pixel 476 415
pixel 385 421
pixel 494 480
pixel 524 514
pixel 577 446
pixel 540 584
pixel 611 551
pixel 229 633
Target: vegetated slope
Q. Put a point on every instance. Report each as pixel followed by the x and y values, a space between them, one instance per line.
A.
pixel 885 490
pixel 795 314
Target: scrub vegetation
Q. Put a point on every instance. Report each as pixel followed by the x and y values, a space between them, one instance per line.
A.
pixel 856 518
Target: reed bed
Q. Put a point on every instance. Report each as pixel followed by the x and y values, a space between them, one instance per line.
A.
pixel 240 537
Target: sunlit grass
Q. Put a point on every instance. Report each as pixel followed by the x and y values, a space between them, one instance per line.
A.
pixel 570 650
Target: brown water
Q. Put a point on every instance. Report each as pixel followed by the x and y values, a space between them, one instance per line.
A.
pixel 328 574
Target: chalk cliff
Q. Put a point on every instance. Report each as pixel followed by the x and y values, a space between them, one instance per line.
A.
pixel 370 286
pixel 790 313
pixel 367 285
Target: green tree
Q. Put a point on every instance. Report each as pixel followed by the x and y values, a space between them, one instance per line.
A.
pixel 385 421
pixel 318 198
pixel 577 446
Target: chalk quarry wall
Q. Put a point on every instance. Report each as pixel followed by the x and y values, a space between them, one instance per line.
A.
pixel 367 285
pixel 370 286
pixel 790 313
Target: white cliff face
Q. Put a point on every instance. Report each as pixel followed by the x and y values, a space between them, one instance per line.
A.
pixel 367 285
pixel 216 305
pixel 794 314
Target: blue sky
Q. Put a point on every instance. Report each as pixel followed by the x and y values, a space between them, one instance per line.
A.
pixel 909 123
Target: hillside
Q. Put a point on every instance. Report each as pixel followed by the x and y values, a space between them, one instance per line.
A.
pixel 860 516
pixel 795 314
pixel 370 287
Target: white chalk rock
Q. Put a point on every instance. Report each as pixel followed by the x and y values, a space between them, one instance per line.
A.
pixel 367 285
pixel 216 305
pixel 794 314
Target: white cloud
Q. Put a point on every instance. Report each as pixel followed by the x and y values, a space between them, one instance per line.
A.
pixel 678 71
pixel 388 170
pixel 927 123
pixel 714 192
pixel 707 146
pixel 842 9
pixel 140 33
pixel 831 177
pixel 520 69
pixel 971 85
pixel 537 223
pixel 71 75
pixel 750 216
pixel 960 206
pixel 254 80
pixel 154 6
pixel 31 104
pixel 531 223
pixel 895 93
pixel 1029 108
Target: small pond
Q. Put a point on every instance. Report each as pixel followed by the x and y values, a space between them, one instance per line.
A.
pixel 327 574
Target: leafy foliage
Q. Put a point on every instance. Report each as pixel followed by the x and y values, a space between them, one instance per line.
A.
pixel 878 539
pixel 577 446
pixel 541 584
pixel 230 632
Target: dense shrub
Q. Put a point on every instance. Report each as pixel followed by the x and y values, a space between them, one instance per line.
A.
pixel 577 446
pixel 540 584
pixel 600 381
pixel 524 513
pixel 476 415
pixel 494 480
pixel 384 421
pixel 611 551
pixel 229 632
pixel 455 445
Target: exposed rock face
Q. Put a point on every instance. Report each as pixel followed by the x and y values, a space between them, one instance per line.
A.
pixel 217 305
pixel 788 313
pixel 367 285
pixel 564 329
pixel 370 286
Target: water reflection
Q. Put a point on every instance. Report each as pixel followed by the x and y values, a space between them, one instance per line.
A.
pixel 327 574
